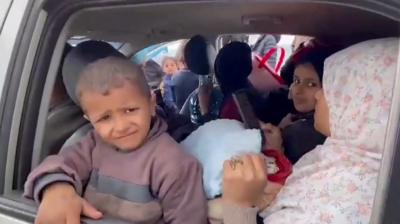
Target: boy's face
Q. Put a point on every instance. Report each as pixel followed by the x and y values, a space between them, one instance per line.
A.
pixel 122 117
pixel 170 67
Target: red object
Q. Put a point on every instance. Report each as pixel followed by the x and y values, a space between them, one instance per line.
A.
pixel 229 110
pixel 284 165
pixel 263 77
pixel 274 72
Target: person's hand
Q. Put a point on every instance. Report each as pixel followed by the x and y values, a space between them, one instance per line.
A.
pixel 270 192
pixel 244 180
pixel 273 136
pixel 286 121
pixel 62 205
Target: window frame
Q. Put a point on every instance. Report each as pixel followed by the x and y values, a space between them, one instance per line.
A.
pixel 44 63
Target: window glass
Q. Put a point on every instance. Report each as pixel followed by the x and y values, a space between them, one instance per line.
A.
pixel 157 52
pixel 4 8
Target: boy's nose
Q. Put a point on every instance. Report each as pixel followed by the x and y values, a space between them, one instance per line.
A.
pixel 121 126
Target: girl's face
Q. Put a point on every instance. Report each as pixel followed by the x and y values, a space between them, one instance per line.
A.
pixel 305 84
pixel 170 67
pixel 321 115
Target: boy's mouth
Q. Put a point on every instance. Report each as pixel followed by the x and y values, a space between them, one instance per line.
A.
pixel 126 135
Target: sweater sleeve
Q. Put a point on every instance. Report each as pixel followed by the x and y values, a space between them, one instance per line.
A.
pixel 233 214
pixel 182 195
pixel 72 165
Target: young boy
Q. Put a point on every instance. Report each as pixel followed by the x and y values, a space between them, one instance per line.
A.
pixel 128 167
pixel 170 67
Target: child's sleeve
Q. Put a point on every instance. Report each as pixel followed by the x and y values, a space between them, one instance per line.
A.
pixel 234 214
pixel 182 195
pixel 72 165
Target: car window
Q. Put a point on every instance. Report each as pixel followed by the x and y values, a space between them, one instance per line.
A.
pixel 9 29
pixel 158 51
pixel 4 8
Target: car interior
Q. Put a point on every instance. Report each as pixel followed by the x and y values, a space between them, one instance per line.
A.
pixel 36 131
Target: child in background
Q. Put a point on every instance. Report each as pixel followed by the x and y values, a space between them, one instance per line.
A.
pixel 170 67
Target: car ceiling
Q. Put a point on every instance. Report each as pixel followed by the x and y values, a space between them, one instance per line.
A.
pixel 145 24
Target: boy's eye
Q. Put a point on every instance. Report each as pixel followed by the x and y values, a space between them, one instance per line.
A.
pixel 104 118
pixel 296 81
pixel 130 110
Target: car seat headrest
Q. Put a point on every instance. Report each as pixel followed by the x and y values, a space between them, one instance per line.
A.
pixel 233 65
pixel 200 55
pixel 79 57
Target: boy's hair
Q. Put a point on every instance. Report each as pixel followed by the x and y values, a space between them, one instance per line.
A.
pixel 109 73
pixel 79 57
pixel 165 59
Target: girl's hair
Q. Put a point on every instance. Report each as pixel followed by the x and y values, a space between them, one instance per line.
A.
pixel 314 54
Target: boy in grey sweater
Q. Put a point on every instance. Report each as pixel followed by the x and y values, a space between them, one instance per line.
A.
pixel 128 167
